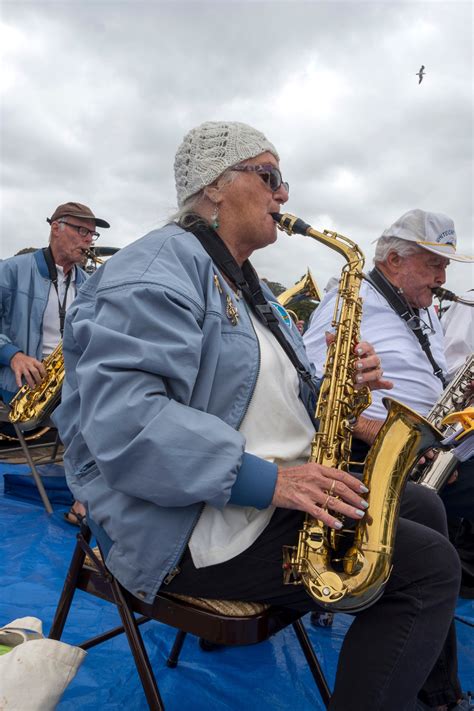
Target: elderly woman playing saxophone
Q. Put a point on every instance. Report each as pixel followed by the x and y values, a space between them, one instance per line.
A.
pixel 188 417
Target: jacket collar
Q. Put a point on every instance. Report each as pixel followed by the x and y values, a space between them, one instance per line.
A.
pixel 41 263
pixel 44 271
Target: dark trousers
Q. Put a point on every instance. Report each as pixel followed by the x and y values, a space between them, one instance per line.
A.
pixel 402 644
pixel 458 497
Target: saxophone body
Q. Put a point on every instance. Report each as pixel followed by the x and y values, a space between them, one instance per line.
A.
pixel 456 396
pixel 31 405
pixel 347 570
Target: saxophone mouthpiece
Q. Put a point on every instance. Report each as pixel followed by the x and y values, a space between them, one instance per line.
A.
pixel 290 224
pixel 447 295
pixel 442 293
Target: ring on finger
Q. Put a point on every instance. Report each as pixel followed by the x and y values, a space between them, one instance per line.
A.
pixel 325 505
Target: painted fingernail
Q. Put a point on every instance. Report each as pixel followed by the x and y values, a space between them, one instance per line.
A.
pixel 359 513
pixel 364 489
pixel 337 524
pixel 360 378
pixel 360 365
pixel 364 504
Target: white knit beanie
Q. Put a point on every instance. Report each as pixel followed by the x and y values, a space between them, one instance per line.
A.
pixel 208 150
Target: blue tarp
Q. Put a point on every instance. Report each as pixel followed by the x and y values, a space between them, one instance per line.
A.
pixel 34 554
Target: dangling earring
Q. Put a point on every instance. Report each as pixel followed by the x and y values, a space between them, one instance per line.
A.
pixel 214 216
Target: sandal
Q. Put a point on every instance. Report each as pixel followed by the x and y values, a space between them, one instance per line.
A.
pixel 73 518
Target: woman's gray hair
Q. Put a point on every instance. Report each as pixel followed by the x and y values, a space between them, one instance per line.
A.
pixel 402 247
pixel 183 216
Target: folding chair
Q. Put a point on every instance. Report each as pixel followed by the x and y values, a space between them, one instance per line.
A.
pixel 217 621
pixel 19 432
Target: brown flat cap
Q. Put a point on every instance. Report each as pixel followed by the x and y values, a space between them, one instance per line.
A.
pixel 75 209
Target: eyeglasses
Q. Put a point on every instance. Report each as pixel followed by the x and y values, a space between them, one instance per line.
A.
pixel 270 175
pixel 83 231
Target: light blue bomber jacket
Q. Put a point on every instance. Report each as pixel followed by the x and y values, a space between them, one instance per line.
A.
pixel 24 293
pixel 158 380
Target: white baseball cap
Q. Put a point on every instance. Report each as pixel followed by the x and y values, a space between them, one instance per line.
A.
pixel 431 230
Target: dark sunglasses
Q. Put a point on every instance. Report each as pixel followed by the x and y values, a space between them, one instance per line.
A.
pixel 83 231
pixel 270 175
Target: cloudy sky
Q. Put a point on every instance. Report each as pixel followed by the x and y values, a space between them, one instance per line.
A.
pixel 96 97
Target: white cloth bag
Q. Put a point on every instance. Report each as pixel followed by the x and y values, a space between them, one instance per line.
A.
pixel 35 673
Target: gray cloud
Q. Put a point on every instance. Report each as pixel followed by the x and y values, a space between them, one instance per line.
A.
pixel 97 96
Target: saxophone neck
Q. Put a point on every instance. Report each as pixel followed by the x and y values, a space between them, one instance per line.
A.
pixel 343 245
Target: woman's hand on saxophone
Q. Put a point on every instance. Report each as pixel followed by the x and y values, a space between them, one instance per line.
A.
pixel 317 490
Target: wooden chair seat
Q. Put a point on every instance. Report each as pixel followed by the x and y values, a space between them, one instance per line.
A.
pixel 223 622
pixel 228 608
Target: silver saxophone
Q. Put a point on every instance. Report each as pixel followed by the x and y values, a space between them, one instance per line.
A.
pixel 456 396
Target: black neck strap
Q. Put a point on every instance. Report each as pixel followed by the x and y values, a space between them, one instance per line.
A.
pixel 53 275
pixel 411 317
pixel 246 280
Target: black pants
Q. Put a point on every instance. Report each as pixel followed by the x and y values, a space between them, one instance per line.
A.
pixel 458 497
pixel 402 644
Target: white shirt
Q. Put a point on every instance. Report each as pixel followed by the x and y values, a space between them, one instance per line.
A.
pixel 458 326
pixel 277 428
pixel 51 329
pixel 403 361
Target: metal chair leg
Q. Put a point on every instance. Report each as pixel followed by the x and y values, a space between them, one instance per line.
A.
pixel 140 655
pixel 54 454
pixel 34 471
pixel 69 588
pixel 313 662
pixel 172 660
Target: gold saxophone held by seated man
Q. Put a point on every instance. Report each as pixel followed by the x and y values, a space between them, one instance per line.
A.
pixel 30 406
pixel 347 570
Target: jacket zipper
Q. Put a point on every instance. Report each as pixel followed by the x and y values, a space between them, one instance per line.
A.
pixel 258 369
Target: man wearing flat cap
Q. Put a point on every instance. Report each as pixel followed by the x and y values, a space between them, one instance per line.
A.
pixel 36 289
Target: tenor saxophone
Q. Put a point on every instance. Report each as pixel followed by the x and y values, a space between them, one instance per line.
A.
pixel 347 570
pixel 31 405
pixel 456 396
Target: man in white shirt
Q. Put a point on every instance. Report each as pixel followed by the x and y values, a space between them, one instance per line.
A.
pixel 458 327
pixel 410 260
pixel 398 318
pixel 36 289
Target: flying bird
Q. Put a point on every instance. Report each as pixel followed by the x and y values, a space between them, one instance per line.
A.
pixel 421 73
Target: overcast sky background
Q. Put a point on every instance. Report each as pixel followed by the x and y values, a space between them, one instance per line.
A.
pixel 96 97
